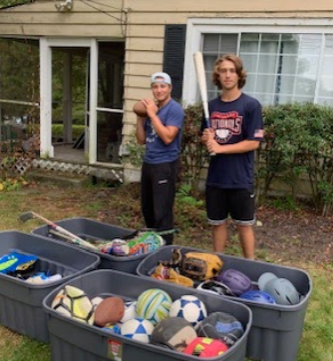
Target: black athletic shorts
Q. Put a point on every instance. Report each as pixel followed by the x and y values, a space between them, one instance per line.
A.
pixel 238 203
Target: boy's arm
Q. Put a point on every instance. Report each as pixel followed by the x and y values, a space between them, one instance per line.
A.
pixel 140 130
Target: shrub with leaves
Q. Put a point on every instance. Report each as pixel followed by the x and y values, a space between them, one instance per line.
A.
pixel 298 143
pixel 193 153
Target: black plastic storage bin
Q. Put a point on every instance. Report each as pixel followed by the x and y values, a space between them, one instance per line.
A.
pixel 21 302
pixel 75 340
pixel 85 228
pixel 276 329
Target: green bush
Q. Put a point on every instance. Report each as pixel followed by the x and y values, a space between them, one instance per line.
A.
pixel 57 130
pixel 193 153
pixel 298 143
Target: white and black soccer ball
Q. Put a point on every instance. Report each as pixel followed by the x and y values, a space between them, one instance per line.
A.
pixel 137 329
pixel 189 307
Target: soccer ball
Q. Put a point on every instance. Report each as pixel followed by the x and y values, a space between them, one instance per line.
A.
pixel 137 329
pixel 130 311
pixel 190 308
pixel 73 302
pixel 153 305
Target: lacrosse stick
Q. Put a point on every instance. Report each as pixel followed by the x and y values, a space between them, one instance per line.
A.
pixel 71 237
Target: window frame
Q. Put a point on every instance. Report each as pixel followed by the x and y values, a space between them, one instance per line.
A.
pixel 197 27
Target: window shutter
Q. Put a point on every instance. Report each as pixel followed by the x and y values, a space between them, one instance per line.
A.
pixel 173 61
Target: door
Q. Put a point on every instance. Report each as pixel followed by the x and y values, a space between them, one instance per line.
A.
pixel 81 99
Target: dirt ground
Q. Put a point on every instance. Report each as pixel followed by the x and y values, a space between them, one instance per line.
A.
pixel 299 235
pixel 281 235
pixel 296 236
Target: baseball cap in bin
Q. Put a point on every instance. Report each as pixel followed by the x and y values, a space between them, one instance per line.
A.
pixel 161 78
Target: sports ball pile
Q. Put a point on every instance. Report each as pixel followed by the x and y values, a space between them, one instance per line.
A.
pixel 182 325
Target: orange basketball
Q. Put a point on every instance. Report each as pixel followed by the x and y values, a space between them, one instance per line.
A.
pixel 140 109
pixel 109 311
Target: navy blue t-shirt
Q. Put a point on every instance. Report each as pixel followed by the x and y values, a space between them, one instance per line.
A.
pixel 234 122
pixel 156 150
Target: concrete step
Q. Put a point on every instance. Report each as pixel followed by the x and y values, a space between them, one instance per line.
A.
pixel 58 178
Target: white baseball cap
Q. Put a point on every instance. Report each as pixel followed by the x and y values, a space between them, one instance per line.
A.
pixel 161 78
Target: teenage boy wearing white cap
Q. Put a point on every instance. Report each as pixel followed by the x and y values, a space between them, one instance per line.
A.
pixel 161 132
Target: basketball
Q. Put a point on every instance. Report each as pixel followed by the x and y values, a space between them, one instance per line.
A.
pixel 139 109
pixel 109 311
pixel 153 305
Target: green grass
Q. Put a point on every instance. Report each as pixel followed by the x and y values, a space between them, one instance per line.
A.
pixel 122 207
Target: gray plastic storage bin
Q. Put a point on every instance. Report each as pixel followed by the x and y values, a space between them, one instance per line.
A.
pixel 276 329
pixel 21 302
pixel 73 340
pixel 88 228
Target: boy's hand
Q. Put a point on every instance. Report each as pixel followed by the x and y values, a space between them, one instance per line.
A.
pixel 208 134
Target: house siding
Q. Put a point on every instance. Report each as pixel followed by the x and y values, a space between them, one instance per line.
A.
pixel 41 18
pixel 145 28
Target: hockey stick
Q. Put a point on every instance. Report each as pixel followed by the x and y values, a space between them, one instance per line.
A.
pixel 71 237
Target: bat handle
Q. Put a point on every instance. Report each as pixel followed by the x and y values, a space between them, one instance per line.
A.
pixel 208 126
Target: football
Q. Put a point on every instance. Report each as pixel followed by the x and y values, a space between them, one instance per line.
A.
pixel 137 329
pixel 189 307
pixel 153 305
pixel 109 311
pixel 140 109
pixel 73 302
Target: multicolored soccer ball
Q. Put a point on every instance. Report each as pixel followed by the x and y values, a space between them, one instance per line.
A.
pixel 153 305
pixel 137 329
pixel 206 347
pixel 73 302
pixel 189 307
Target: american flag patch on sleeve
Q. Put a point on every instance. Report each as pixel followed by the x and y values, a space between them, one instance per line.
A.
pixel 259 133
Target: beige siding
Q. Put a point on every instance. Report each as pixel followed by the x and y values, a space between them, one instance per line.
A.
pixel 88 6
pixel 177 6
pixel 86 19
pixel 140 56
pixel 99 31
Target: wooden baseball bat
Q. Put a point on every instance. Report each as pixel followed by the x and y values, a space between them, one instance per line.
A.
pixel 201 78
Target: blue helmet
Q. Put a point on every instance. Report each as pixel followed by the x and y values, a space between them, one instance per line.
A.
pixel 258 296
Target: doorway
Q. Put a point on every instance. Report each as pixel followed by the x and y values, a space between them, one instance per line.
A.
pixel 82 104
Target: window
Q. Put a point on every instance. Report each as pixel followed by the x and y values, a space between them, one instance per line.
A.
pixel 280 68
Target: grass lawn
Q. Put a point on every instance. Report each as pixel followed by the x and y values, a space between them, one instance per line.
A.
pixel 121 207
